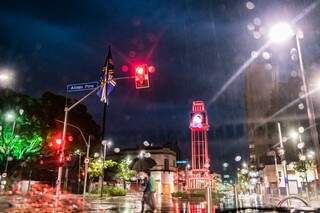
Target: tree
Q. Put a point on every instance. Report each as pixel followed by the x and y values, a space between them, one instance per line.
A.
pixel 21 133
pixel 124 173
pixel 96 165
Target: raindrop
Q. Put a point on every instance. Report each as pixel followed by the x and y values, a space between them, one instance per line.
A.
pixel 124 68
pixel 250 27
pixel 254 54
pixel 250 5
pixel 257 21
pixel 256 34
pixel 294 74
pixel 268 66
pixel 301 129
pixel 266 55
pixel 294 57
pixel 293 51
pixel 262 30
pixel 301 106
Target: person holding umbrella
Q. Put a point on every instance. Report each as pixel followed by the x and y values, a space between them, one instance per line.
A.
pixel 149 193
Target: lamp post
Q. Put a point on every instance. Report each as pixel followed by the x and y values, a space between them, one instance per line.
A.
pixel 283 159
pixel 280 33
pixel 105 143
pixel 86 160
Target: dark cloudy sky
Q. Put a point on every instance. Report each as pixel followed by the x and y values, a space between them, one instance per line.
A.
pixel 195 46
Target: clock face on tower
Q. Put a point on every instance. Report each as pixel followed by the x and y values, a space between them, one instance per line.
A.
pixel 197 120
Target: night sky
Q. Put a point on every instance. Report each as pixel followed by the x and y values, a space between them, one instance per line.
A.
pixel 195 46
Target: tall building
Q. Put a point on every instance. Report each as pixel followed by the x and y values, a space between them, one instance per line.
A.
pixel 260 82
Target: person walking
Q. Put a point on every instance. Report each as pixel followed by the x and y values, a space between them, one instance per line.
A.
pixel 148 193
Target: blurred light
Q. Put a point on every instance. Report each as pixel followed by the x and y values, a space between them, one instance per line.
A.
pixel 237 158
pixel 124 68
pixel 151 69
pixel 257 21
pixel 302 157
pixel 310 154
pixel 254 54
pixel 244 165
pixel 293 134
pixel 262 30
pixel 250 27
pixel 268 66
pixel 300 145
pixel 58 141
pixel 301 106
pixel 109 144
pixel 301 129
pixel 225 164
pixel 139 70
pixel 148 155
pixel 280 32
pixel 188 166
pixel 284 139
pixel 96 155
pixel 10 116
pixel 21 111
pixel 6 77
pixel 146 143
pixel 116 150
pixel 266 55
pixel 250 5
pixel 257 34
pixel 294 74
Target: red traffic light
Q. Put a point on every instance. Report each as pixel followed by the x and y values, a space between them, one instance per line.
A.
pixel 142 77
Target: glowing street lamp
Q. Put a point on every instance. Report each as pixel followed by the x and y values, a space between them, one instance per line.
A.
pixel 6 77
pixel 10 116
pixel 293 135
pixel 280 33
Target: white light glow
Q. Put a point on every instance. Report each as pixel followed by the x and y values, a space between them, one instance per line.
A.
pixel 280 32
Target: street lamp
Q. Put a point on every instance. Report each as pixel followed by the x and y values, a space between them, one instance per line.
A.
pixel 6 77
pixel 280 33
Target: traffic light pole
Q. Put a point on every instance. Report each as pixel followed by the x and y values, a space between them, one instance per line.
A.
pixel 65 123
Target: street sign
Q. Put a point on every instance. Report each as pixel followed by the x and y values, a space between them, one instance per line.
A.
pixel 181 162
pixel 79 87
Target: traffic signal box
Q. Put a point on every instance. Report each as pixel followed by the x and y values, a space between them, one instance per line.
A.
pixel 142 77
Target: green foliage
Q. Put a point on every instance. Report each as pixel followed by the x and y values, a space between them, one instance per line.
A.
pixel 96 165
pixel 303 166
pixel 124 173
pixel 242 180
pixel 116 191
pixel 111 191
pixel 23 135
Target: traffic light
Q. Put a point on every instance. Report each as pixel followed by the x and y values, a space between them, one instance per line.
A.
pixel 142 77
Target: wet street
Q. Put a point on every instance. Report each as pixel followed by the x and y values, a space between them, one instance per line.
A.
pixel 74 203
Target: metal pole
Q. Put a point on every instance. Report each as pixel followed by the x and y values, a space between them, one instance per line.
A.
pixel 284 163
pixel 79 177
pixel 61 159
pixel 66 179
pixel 102 174
pixel 310 108
pixel 65 122
pixel 277 175
pixel 86 169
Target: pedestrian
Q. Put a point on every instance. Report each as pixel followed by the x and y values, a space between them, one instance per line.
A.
pixel 148 193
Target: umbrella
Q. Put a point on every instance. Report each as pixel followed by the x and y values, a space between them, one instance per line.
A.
pixel 142 164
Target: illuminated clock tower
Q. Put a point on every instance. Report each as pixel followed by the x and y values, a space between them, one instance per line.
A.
pixel 200 176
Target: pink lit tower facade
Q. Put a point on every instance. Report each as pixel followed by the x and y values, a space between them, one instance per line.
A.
pixel 199 177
